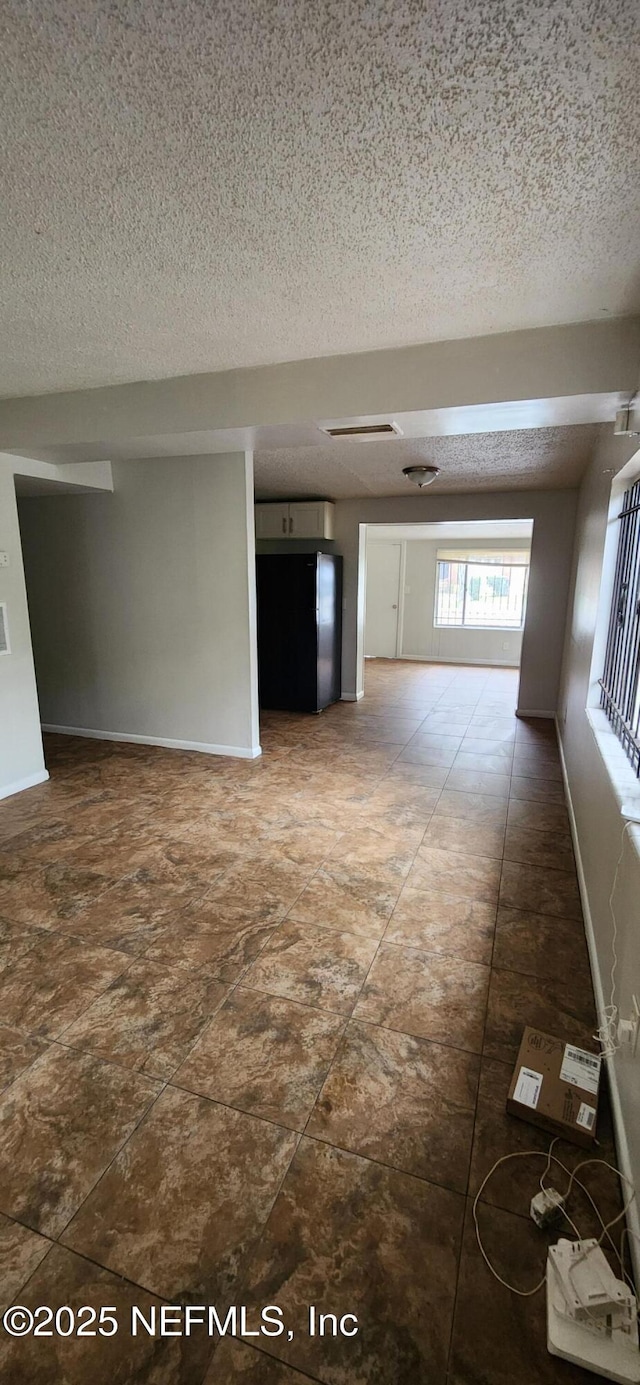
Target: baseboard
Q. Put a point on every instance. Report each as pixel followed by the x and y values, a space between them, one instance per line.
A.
pixel 40 777
pixel 238 752
pixel 529 712
pixel 435 659
pixel 622 1146
pixel 352 697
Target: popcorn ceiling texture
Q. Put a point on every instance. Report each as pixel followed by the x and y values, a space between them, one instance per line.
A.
pixel 190 186
pixel 529 459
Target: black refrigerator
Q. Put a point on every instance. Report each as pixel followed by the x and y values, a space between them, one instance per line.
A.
pixel 299 630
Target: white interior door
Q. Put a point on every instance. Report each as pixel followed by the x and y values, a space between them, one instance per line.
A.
pixel 383 596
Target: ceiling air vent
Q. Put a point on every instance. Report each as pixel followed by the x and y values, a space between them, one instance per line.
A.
pixel 364 430
pixel 4 630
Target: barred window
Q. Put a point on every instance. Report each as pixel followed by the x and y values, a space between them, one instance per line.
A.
pixel 484 594
pixel 620 682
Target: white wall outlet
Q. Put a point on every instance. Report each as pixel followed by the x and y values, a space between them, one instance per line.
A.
pixel 4 559
pixel 629 1028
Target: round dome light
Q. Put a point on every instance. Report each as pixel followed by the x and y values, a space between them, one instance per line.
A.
pixel 421 475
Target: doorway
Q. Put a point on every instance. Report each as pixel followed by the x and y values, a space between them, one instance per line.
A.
pixel 447 593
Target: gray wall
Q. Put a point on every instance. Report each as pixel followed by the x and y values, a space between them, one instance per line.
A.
pixel 598 821
pixel 553 513
pixel 142 603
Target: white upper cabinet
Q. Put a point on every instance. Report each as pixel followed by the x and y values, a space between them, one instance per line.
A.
pixel 272 521
pixel 296 519
pixel 311 519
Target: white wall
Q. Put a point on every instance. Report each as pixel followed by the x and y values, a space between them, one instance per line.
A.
pixel 553 514
pixel 143 604
pixel 595 804
pixel 21 757
pixel 581 362
pixel 420 637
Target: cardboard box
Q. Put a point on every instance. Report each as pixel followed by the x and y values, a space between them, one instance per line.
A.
pixel 556 1086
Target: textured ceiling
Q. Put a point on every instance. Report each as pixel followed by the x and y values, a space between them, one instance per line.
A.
pixel 190 185
pixel 530 459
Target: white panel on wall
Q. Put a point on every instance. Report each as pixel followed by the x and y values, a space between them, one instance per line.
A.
pixel 383 599
pixel 5 647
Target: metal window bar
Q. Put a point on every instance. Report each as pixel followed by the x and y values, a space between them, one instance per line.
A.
pixel 447 613
pixel 620 682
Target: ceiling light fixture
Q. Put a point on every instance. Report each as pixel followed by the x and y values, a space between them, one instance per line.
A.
pixel 421 475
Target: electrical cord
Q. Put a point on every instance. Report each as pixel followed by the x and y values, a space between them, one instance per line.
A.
pixel 607 1033
pixel 573 1179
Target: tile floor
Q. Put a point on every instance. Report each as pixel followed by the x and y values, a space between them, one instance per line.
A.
pixel 257 1023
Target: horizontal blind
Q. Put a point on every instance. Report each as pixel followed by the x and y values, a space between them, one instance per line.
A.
pixel 519 557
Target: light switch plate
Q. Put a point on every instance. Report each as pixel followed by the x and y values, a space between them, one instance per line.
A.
pixel 4 559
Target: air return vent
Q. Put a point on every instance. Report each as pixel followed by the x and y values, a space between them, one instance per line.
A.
pixel 4 630
pixel 364 430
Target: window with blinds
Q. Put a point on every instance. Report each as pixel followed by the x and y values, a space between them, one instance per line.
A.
pixel 620 682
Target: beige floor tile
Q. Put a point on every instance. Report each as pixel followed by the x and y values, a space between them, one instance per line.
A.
pixel 530 790
pixel 56 980
pixel 478 781
pixel 61 1122
pixel 438 922
pixel 21 1251
pixel 540 817
pixel 65 1278
pixel 148 1019
pixel 472 807
pixel 306 877
pixel 557 1005
pixel 263 1055
pixel 426 994
pixel 41 898
pixel 16 940
pixel 542 945
pixel 17 1052
pixel 180 1207
pixel 423 1095
pixel 129 915
pixel 350 900
pixel 386 854
pixel 482 763
pixel 314 965
pixel 305 1258
pixel 428 755
pixel 538 888
pixel 547 847
pixel 465 835
pixel 454 872
pixel 237 1363
pixel 503 1331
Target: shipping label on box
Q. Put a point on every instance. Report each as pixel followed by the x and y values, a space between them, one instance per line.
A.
pixel 555 1085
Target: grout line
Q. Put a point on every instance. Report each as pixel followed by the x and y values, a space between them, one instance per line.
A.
pixel 376 780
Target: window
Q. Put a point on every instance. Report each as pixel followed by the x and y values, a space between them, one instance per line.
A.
pixel 481 591
pixel 620 682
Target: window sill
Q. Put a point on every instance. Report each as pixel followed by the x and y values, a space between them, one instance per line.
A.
pixel 625 784
pixel 482 629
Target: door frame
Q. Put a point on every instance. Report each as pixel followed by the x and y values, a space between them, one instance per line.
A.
pixel 361 528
